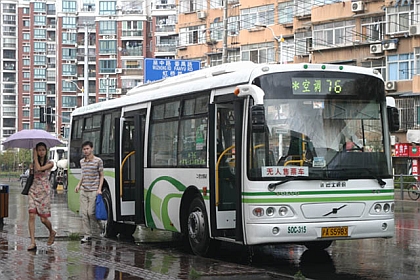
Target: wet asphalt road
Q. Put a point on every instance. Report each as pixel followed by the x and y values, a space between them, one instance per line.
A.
pixel 160 255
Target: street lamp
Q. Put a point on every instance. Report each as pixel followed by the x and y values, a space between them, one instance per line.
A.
pixel 85 98
pixel 279 40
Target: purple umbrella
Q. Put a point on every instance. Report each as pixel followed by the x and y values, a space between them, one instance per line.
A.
pixel 28 138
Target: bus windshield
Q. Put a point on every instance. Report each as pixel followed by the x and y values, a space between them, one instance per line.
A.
pixel 320 134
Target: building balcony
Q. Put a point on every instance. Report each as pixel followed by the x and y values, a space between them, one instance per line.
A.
pixel 166 48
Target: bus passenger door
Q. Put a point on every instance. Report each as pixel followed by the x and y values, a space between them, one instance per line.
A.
pixel 128 173
pixel 225 186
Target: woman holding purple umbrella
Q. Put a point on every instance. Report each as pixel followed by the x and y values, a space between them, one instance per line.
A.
pixel 39 194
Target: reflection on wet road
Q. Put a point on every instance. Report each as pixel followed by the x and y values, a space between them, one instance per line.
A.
pixel 162 255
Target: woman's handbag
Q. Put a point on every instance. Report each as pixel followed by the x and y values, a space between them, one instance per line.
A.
pixel 100 210
pixel 29 182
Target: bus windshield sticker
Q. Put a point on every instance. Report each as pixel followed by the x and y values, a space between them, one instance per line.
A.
pixel 319 162
pixel 282 171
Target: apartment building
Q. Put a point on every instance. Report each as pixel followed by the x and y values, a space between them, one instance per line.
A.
pixel 58 55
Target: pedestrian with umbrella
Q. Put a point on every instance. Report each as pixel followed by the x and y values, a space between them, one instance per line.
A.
pixel 39 193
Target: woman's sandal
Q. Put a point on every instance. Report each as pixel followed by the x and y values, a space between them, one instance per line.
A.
pixel 32 247
pixel 51 238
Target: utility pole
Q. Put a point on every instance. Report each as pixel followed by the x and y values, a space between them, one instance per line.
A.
pixel 86 69
pixel 225 31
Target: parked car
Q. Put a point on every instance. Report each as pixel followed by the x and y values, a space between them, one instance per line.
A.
pixel 23 177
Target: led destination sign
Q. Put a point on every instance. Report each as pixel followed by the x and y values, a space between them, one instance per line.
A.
pixel 322 86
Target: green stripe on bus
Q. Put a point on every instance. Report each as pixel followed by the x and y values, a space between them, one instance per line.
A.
pixel 168 225
pixel 316 199
pixel 148 200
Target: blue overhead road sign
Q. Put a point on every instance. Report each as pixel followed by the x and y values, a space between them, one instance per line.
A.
pixel 158 69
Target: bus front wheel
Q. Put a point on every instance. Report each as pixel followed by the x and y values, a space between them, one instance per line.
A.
pixel 198 231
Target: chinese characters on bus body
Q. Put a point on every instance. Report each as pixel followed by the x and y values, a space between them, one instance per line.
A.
pixel 280 171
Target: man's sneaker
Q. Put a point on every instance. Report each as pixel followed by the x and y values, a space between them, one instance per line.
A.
pixel 86 239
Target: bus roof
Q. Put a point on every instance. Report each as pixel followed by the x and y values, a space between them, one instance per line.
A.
pixel 224 75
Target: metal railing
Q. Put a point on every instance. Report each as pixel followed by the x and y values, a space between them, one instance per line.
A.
pixel 402 183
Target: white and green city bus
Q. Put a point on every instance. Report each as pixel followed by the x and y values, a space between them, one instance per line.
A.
pixel 246 153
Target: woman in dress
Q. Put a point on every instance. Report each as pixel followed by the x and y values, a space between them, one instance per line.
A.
pixel 39 194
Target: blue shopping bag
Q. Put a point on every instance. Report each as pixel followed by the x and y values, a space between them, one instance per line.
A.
pixel 100 210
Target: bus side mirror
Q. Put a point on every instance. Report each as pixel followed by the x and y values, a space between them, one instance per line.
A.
pixel 258 118
pixel 393 119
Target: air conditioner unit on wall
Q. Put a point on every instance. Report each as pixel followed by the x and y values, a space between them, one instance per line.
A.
pixel 414 30
pixel 376 48
pixel 118 70
pixel 391 85
pixel 357 6
pixel 118 91
pixel 201 15
pixel 389 46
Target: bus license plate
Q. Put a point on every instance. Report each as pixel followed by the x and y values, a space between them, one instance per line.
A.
pixel 335 232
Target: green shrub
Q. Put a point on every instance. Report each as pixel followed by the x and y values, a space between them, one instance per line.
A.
pixel 406 180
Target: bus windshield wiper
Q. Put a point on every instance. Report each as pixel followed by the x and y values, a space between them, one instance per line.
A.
pixel 381 182
pixel 272 186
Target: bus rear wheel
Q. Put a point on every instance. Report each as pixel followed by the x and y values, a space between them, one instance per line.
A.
pixel 198 230
pixel 111 228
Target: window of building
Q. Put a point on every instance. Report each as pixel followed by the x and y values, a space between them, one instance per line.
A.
pixel 9 122
pixel 69 69
pixel 26 61
pixel 261 15
pixel 233 26
pixel 107 46
pixel 38 125
pixel 26 87
pixel 216 31
pixel 107 27
pixel 9 30
pixel 417 60
pixel 26 113
pixel 69 53
pixel 40 60
pixel 188 6
pixel 26 49
pixel 303 8
pixel 39 7
pixel 132 28
pixel 40 86
pixel 258 53
pixel 192 35
pixel 40 47
pixel 334 34
pixel 26 36
pixel 40 73
pixel 216 4
pixel 9 100
pixel 9 111
pixel 9 19
pixel 400 67
pixel 69 22
pixel 132 64
pixel 69 101
pixel 26 75
pixel 39 100
pixel 69 6
pixel 378 64
pixel 40 20
pixel 399 18
pixel 40 33
pixel 107 7
pixel 303 42
pixel 25 23
pixel 107 85
pixel 285 11
pixel 373 29
pixel 409 109
pixel 130 83
pixel 107 65
pixel 69 38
